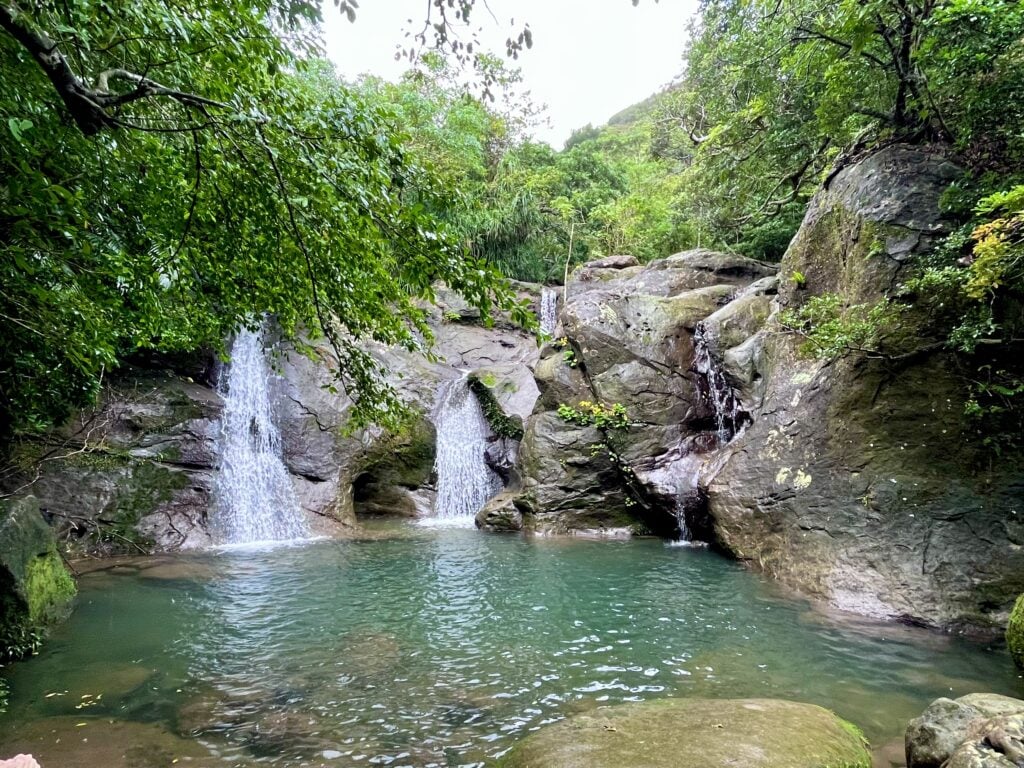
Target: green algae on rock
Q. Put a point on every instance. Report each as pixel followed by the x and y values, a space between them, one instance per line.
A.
pixel 1015 632
pixel 36 587
pixel 696 733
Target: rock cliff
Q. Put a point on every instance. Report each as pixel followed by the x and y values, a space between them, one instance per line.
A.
pixel 860 481
pixel 629 338
pixel 856 479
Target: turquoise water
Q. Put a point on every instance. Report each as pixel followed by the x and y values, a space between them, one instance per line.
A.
pixel 441 647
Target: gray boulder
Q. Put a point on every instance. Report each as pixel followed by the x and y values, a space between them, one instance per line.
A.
pixel 500 514
pixel 981 730
pixel 860 481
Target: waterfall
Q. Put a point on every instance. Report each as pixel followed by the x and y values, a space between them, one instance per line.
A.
pixel 676 482
pixel 730 418
pixel 683 536
pixel 464 481
pixel 548 311
pixel 255 501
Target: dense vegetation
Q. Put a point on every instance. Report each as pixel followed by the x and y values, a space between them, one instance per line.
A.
pixel 173 170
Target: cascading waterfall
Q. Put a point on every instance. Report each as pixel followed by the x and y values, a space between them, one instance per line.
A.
pixel 464 481
pixel 255 500
pixel 730 418
pixel 548 310
pixel 730 421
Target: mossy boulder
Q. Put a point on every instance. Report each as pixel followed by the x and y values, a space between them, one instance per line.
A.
pixel 1015 632
pixel 862 481
pixel 35 588
pixel 696 733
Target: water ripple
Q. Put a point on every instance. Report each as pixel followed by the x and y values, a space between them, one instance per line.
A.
pixel 443 646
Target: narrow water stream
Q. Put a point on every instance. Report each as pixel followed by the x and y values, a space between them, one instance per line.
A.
pixel 442 647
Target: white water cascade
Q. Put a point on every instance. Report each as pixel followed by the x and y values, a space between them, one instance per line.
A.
pixel 730 418
pixel 255 500
pixel 464 481
pixel 548 310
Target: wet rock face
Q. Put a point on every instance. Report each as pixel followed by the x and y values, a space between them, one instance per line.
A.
pixel 976 731
pixel 859 481
pixel 696 733
pixel 629 340
pixel 136 472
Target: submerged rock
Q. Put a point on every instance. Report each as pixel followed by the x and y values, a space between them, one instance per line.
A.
pixel 79 742
pixel 696 733
pixel 981 730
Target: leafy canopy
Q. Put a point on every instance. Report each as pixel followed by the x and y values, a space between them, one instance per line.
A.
pixel 171 171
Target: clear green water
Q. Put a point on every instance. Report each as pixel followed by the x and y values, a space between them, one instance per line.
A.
pixel 442 647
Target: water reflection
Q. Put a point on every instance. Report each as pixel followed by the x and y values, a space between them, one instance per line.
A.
pixel 442 647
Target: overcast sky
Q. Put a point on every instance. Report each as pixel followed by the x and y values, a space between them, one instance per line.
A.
pixel 590 58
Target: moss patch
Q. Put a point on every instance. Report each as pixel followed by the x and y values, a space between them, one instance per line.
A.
pixel 49 588
pixel 1015 633
pixel 696 733
pixel 502 424
pixel 35 588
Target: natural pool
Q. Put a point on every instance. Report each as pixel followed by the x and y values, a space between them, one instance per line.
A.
pixel 441 647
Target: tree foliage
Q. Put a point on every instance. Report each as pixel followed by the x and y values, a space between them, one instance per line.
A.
pixel 174 170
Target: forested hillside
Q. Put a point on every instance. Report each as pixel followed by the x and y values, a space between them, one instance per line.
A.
pixel 170 172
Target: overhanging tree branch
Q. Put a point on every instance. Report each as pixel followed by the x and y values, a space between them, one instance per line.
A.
pixel 88 107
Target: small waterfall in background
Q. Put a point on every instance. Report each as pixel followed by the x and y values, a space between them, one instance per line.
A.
pixel 255 500
pixel 548 310
pixel 730 418
pixel 464 481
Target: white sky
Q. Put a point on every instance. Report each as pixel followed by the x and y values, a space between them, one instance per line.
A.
pixel 590 58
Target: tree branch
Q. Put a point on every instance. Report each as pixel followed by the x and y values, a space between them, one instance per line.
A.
pixel 144 88
pixel 815 34
pixel 87 106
